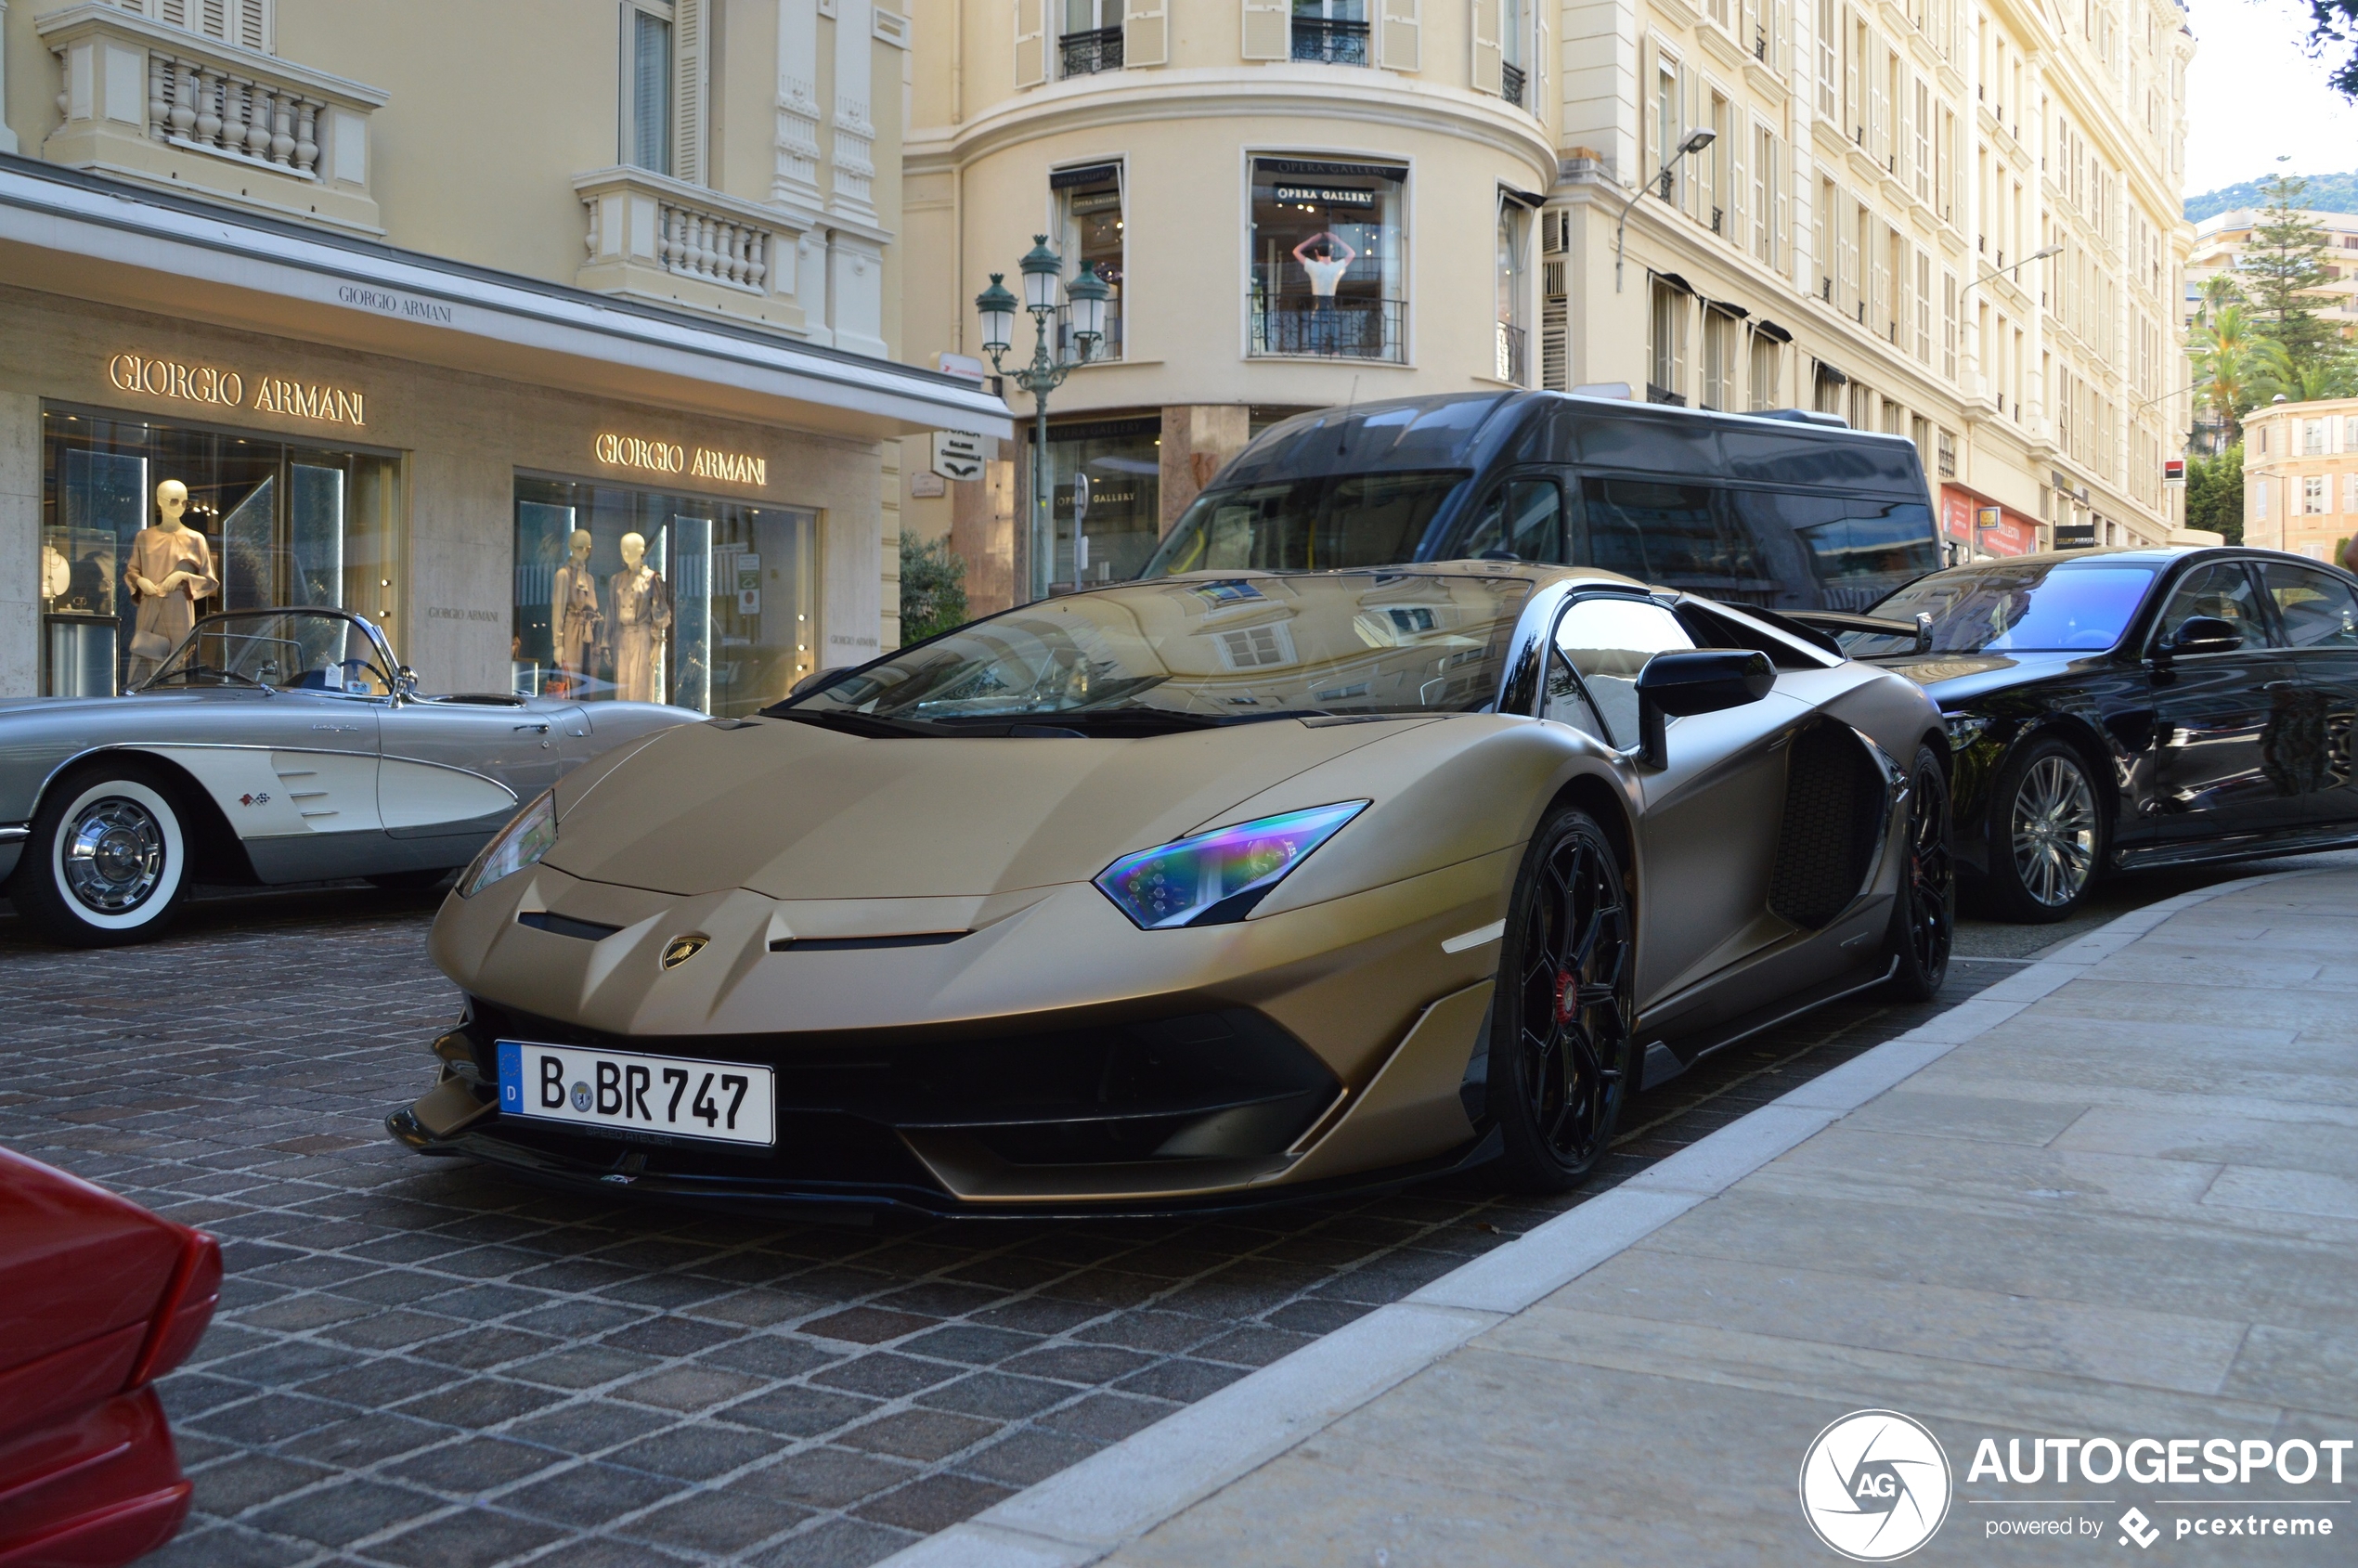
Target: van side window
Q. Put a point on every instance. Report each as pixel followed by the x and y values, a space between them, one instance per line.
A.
pixel 1675 533
pixel 1608 641
pixel 1523 518
pixel 1878 547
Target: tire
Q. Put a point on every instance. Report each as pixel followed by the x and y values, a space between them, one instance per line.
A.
pixel 408 881
pixel 2047 834
pixel 1563 1055
pixel 128 880
pixel 1924 913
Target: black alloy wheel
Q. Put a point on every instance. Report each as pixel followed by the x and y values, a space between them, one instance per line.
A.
pixel 1561 1053
pixel 2047 834
pixel 1924 911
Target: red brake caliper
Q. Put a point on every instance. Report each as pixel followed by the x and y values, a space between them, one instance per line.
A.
pixel 1567 995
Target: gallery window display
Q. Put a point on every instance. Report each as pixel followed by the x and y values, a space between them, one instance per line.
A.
pixel 634 596
pixel 147 526
pixel 1328 276
pixel 1107 478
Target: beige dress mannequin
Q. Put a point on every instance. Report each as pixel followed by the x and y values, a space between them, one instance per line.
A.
pixel 170 569
pixel 642 603
pixel 575 619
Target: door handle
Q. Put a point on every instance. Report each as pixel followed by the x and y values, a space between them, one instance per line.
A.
pixel 536 728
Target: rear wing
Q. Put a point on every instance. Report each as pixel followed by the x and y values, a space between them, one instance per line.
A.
pixel 1839 621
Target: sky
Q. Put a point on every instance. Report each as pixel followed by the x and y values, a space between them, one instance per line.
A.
pixel 2252 94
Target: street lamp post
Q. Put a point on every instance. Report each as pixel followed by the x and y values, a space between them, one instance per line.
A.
pixel 1043 271
pixel 1999 271
pixel 1695 141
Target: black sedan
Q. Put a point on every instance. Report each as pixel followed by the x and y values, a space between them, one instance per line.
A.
pixel 2123 709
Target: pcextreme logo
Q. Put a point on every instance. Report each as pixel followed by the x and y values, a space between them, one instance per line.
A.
pixel 1875 1485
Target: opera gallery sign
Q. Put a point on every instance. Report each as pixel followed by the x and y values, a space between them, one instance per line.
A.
pixel 232 389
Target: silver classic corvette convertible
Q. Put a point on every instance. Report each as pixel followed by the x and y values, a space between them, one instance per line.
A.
pixel 272 747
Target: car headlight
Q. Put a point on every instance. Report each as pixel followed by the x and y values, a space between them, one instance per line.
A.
pixel 514 846
pixel 1218 876
pixel 1964 728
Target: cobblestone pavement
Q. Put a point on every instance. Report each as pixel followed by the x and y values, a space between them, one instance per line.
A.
pixel 420 1364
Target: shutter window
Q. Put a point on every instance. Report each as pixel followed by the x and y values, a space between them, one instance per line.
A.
pixel 1268 30
pixel 1032 43
pixel 1400 36
pixel 1146 33
pixel 1489 58
pixel 688 90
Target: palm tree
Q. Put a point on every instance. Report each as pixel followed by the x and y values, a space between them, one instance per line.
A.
pixel 2225 350
pixel 2218 291
pixel 2274 373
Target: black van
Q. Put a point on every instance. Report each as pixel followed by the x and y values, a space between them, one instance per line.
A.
pixel 1785 511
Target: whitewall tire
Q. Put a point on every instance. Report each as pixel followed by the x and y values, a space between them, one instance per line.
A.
pixel 106 861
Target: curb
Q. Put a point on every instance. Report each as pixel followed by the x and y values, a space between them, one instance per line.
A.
pixel 1085 1513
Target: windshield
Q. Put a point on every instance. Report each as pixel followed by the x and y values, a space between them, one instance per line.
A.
pixel 1181 653
pixel 2043 606
pixel 1335 522
pixel 287 650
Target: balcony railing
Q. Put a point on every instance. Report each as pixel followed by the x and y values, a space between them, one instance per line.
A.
pixel 653 236
pixel 1085 54
pixel 1329 42
pixel 1510 352
pixel 140 96
pixel 1341 329
pixel 1510 80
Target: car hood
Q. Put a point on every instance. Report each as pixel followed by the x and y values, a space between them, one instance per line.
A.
pixel 1951 678
pixel 53 706
pixel 793 810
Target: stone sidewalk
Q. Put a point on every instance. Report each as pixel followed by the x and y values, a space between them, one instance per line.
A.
pixel 2113 1197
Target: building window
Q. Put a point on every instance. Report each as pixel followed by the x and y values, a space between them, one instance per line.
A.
pixel 1666 345
pixel 1767 367
pixel 646 86
pixel 1514 21
pixel 1330 31
pixel 1719 337
pixel 1092 37
pixel 1104 488
pixel 2312 437
pixel 1513 231
pixel 630 594
pixel 1090 232
pixel 265 521
pixel 1327 278
pixel 2315 494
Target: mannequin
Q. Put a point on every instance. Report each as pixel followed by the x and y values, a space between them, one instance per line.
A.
pixel 574 620
pixel 1326 258
pixel 170 569
pixel 642 615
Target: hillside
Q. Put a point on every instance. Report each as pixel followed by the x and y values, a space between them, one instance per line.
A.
pixel 2326 193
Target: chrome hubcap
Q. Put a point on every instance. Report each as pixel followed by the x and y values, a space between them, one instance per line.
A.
pixel 2055 830
pixel 114 855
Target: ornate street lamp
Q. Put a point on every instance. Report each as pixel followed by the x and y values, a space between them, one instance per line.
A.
pixel 1043 271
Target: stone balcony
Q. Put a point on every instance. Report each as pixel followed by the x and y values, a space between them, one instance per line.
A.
pixel 652 237
pixel 167 107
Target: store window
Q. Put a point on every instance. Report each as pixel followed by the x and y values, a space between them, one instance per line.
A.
pixel 633 595
pixel 1089 228
pixel 1106 490
pixel 215 521
pixel 1513 230
pixel 1328 276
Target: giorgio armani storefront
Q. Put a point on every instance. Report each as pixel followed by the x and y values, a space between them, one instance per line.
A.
pixel 526 494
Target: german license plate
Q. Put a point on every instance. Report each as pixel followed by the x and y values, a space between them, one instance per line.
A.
pixel 624 1092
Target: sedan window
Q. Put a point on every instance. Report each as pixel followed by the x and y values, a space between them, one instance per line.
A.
pixel 1608 641
pixel 2222 590
pixel 2010 608
pixel 2317 610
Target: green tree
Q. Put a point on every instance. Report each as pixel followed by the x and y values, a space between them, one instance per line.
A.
pixel 2281 268
pixel 2215 493
pixel 2225 352
pixel 2276 373
pixel 933 589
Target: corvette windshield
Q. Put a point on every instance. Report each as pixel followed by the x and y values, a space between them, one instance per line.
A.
pixel 287 650
pixel 2043 607
pixel 1196 651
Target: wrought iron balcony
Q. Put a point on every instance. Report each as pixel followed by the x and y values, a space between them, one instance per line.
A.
pixel 1510 81
pixel 1329 329
pixel 1511 339
pixel 1329 42
pixel 1085 54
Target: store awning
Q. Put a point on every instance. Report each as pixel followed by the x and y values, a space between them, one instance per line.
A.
pixel 65 232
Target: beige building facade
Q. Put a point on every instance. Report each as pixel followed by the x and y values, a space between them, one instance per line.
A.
pixel 1506 178
pixel 2301 477
pixel 2220 241
pixel 436 368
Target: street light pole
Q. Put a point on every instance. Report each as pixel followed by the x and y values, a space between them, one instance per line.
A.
pixel 1999 271
pixel 1043 271
pixel 1696 140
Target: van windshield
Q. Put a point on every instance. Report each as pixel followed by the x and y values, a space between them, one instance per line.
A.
pixel 1335 521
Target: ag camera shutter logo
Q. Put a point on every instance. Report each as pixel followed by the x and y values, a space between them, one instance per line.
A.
pixel 1875 1485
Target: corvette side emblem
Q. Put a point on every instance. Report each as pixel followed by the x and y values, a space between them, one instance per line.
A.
pixel 263 799
pixel 680 949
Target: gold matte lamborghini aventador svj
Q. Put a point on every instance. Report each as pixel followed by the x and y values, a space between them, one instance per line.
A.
pixel 1195 891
